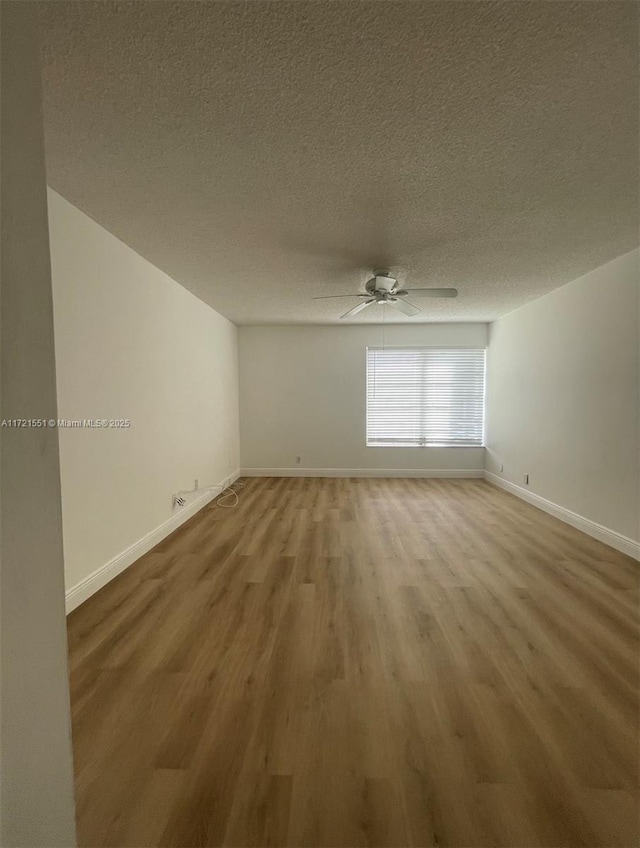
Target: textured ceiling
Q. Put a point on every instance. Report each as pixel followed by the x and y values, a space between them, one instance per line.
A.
pixel 264 152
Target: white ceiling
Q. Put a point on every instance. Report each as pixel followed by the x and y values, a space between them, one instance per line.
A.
pixel 264 152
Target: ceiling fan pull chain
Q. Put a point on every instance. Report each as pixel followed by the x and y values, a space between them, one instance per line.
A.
pixel 384 315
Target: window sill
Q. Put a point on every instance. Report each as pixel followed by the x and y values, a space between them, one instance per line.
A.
pixel 475 447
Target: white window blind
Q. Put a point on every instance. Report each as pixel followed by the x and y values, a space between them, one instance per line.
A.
pixel 425 396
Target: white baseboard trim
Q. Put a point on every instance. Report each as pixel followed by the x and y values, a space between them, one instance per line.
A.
pixel 591 528
pixel 101 576
pixel 476 473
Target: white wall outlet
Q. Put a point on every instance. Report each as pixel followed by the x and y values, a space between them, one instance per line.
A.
pixel 177 500
pixel 526 479
pixel 298 460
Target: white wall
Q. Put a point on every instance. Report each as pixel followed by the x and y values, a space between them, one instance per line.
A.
pixel 563 395
pixel 133 344
pixel 302 393
pixel 36 803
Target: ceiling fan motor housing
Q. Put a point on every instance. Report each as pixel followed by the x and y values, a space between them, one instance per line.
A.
pixel 381 282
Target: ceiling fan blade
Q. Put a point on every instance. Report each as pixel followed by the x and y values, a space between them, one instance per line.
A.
pixel 433 292
pixel 405 307
pixel 330 296
pixel 359 307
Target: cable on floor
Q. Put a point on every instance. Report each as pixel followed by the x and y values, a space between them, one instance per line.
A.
pixel 230 492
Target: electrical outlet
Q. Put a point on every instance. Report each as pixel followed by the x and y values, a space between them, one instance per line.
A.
pixel 177 500
pixel 298 460
pixel 526 479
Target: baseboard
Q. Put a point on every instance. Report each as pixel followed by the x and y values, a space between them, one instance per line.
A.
pixel 591 528
pixel 101 576
pixel 476 473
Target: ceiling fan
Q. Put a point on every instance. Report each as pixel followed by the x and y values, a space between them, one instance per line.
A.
pixel 382 288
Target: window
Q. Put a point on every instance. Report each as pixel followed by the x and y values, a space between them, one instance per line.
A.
pixel 425 397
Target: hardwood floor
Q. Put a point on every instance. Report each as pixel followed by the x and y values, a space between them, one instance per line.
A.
pixel 343 662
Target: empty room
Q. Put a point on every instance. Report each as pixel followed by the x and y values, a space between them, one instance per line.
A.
pixel 320 431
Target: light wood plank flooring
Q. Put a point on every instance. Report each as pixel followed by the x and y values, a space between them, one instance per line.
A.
pixel 343 662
